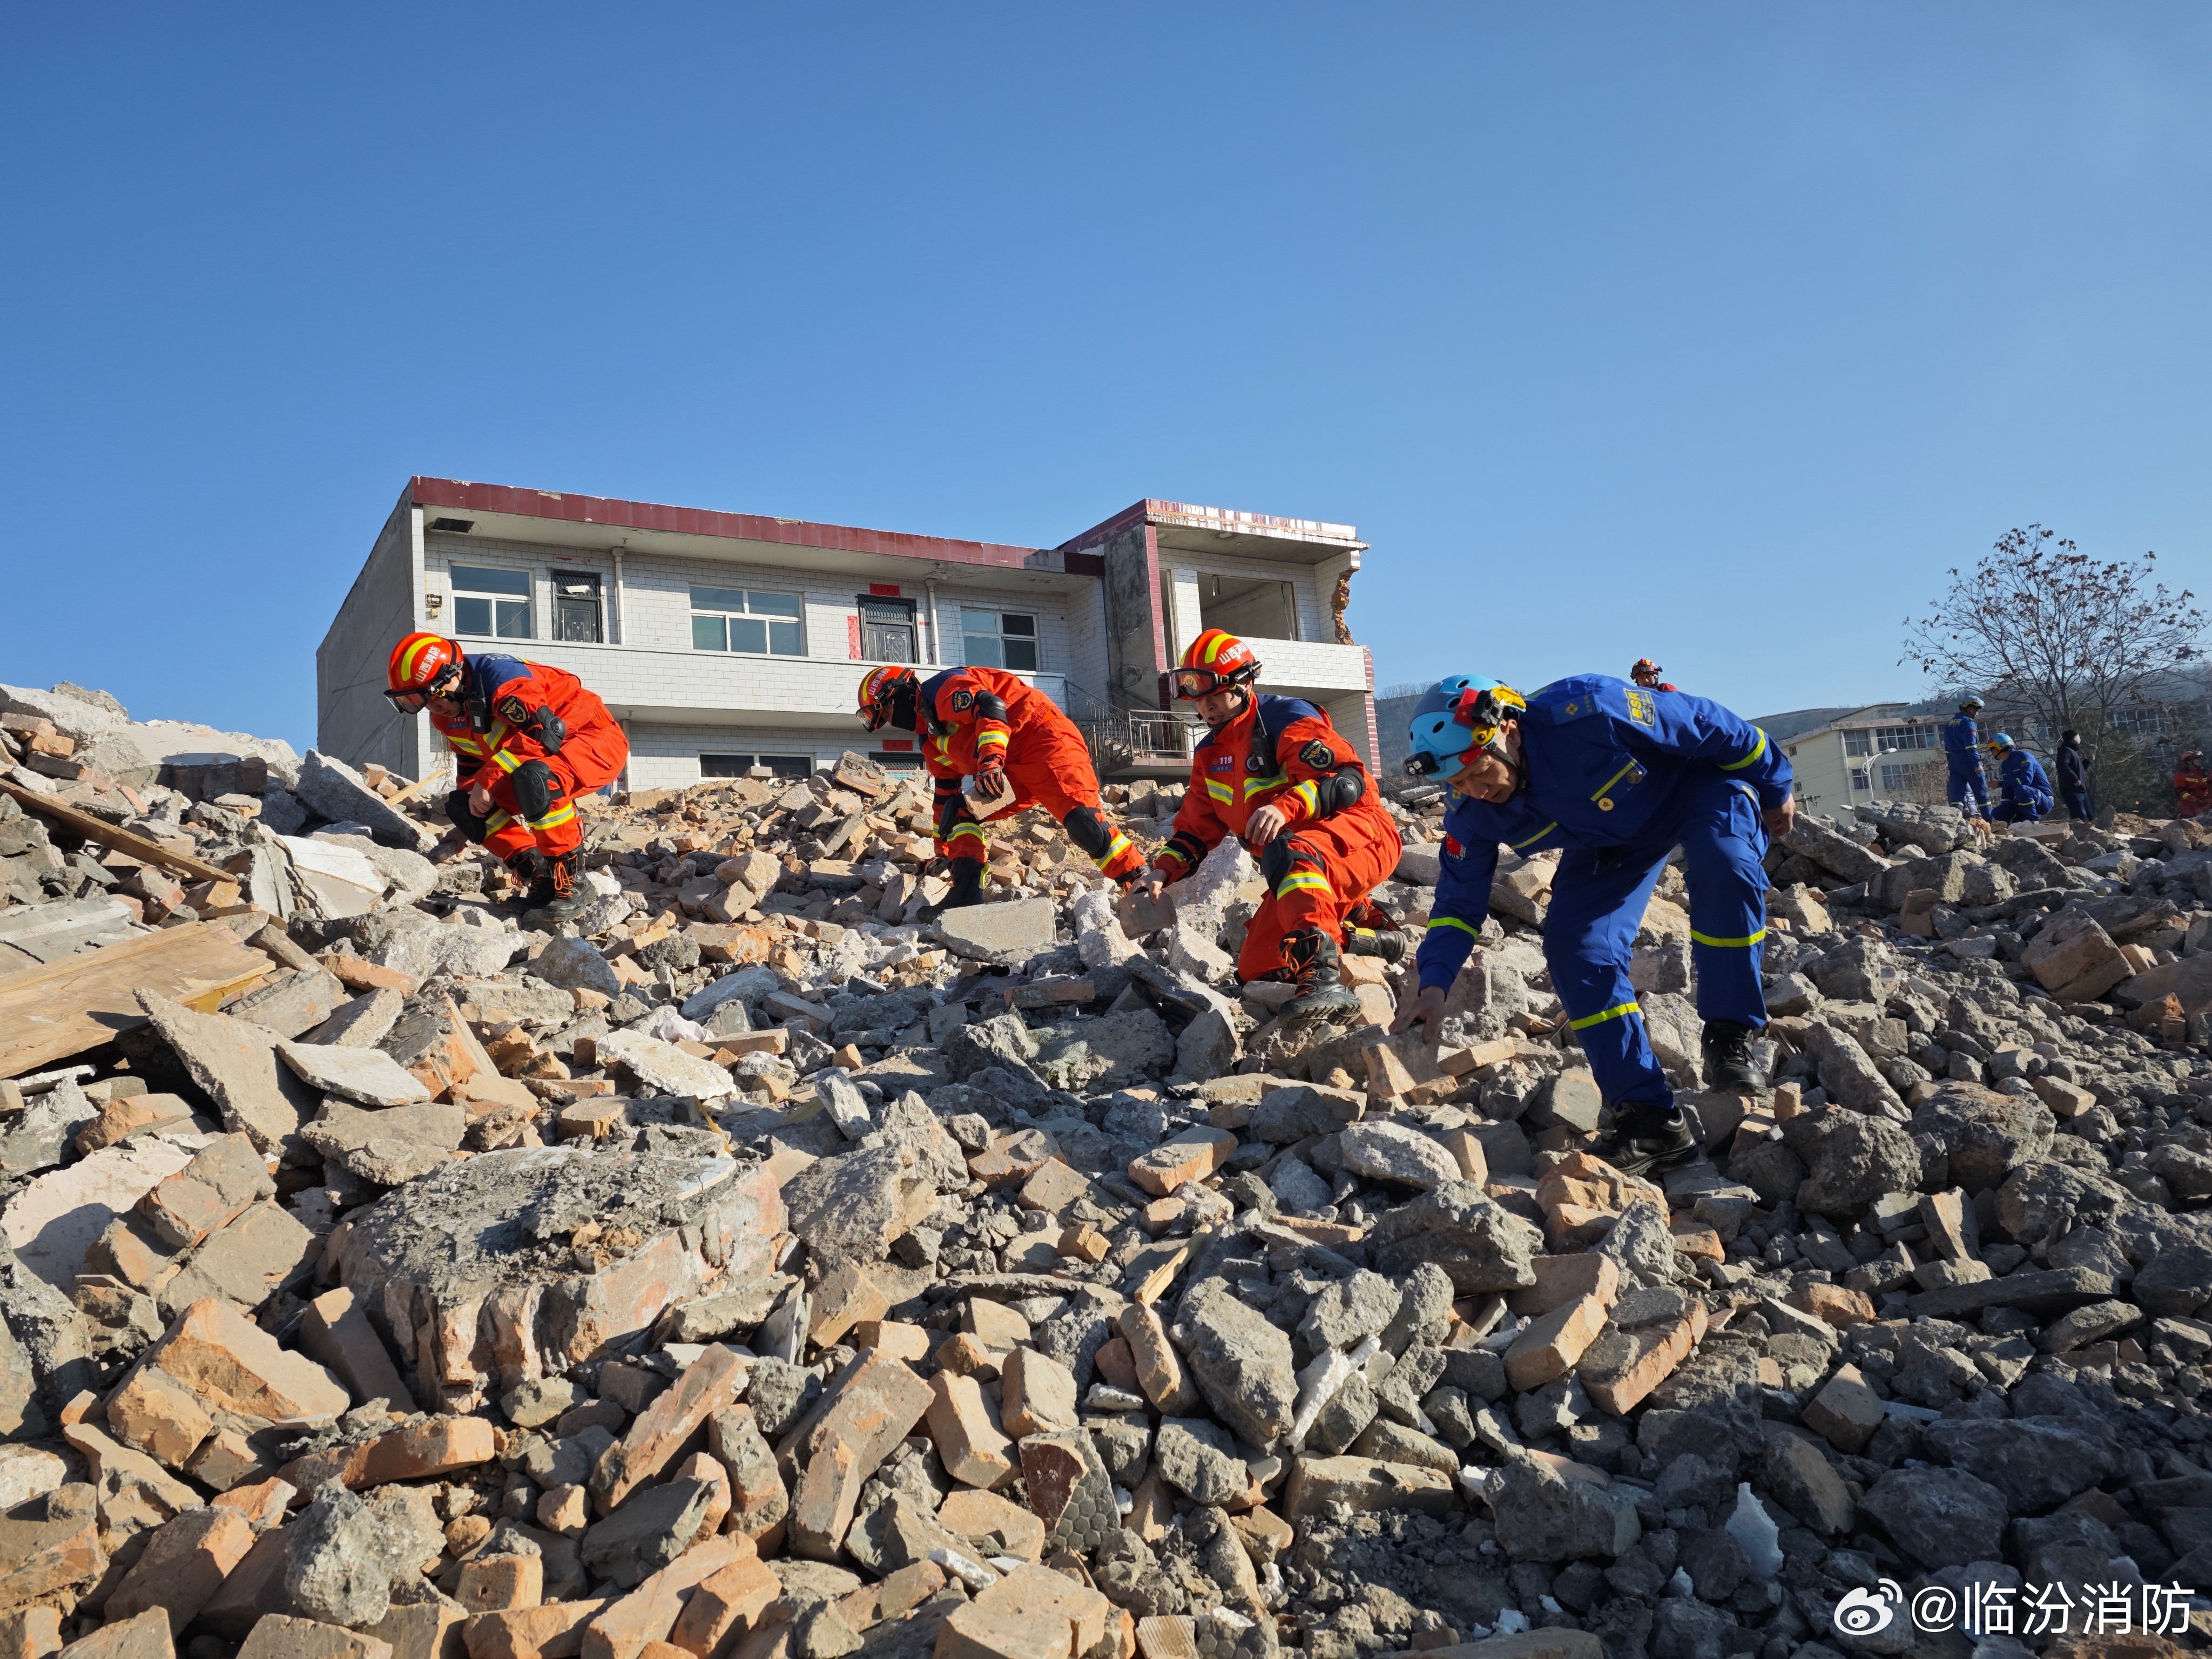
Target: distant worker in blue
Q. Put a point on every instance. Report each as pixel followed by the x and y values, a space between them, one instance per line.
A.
pixel 2073 777
pixel 1962 749
pixel 1617 776
pixel 2024 790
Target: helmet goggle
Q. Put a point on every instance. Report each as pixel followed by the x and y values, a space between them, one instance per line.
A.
pixel 413 700
pixel 1191 683
pixel 884 694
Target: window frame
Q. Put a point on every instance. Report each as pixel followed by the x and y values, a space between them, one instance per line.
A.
pixel 769 620
pixel 494 597
pixel 997 639
pixel 862 602
pixel 806 762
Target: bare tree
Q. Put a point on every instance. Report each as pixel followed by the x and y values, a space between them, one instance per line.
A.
pixel 2039 627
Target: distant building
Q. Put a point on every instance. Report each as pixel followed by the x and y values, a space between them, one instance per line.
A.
pixel 1879 752
pixel 721 641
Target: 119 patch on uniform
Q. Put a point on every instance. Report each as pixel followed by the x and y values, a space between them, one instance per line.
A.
pixel 963 699
pixel 511 710
pixel 1318 754
pixel 1641 708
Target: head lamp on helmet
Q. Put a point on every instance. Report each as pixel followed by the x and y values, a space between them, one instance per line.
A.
pixel 1215 661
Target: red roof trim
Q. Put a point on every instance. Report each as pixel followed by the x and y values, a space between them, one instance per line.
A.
pixel 738 526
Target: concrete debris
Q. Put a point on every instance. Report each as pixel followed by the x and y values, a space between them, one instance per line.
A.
pixel 754 1267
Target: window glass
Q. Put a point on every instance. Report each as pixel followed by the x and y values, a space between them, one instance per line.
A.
pixel 487 601
pixel 998 639
pixel 723 619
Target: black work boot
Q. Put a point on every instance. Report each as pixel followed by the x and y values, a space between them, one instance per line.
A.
pixel 1728 1068
pixel 571 897
pixel 1647 1141
pixel 967 889
pixel 1389 944
pixel 530 868
pixel 1317 969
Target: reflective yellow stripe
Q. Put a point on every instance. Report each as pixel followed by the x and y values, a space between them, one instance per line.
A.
pixel 1301 879
pixel 1538 836
pixel 1614 779
pixel 1309 794
pixel 1757 748
pixel 463 745
pixel 1254 785
pixel 1175 853
pixel 498 820
pixel 960 829
pixel 499 733
pixel 982 738
pixel 1589 1020
pixel 506 762
pixel 407 662
pixel 1214 650
pixel 1114 848
pixel 1454 921
pixel 559 815
pixel 1707 938
pixel 1220 792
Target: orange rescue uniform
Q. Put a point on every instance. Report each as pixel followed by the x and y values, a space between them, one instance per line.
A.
pixel 508 711
pixel 1284 753
pixel 977 715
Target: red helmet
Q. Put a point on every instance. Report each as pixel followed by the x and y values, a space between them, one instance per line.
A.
pixel 420 663
pixel 1646 665
pixel 882 690
pixel 1214 662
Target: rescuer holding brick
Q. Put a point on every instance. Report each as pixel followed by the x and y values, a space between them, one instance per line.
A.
pixel 1617 776
pixel 1275 774
pixel 991 726
pixel 527 740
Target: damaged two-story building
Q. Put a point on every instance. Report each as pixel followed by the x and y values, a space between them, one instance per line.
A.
pixel 725 641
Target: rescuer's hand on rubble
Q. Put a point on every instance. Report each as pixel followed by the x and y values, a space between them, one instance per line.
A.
pixel 1153 878
pixel 1780 819
pixel 1426 1006
pixel 480 800
pixel 1264 825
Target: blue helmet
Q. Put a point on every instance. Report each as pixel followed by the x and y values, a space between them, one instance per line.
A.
pixel 1459 712
pixel 2003 740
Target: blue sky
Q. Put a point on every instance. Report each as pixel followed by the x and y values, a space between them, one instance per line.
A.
pixel 1713 332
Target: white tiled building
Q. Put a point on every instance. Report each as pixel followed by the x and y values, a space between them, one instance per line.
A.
pixel 721 639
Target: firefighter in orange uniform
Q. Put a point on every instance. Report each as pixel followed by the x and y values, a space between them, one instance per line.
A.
pixel 989 725
pixel 1275 774
pixel 527 739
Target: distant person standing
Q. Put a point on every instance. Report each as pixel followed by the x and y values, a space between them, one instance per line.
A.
pixel 2073 777
pixel 1968 786
pixel 2192 786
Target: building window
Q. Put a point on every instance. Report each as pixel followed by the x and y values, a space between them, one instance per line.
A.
pixel 743 619
pixel 1889 738
pixel 887 630
pixel 737 766
pixel 1896 778
pixel 491 604
pixel 998 639
pixel 576 607
pixel 1859 778
pixel 2141 720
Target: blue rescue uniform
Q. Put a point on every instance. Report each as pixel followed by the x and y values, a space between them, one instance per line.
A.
pixel 1962 751
pixel 2026 789
pixel 1618 777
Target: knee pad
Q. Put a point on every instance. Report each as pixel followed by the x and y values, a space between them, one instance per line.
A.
pixel 457 809
pixel 1087 828
pixel 1280 856
pixel 536 788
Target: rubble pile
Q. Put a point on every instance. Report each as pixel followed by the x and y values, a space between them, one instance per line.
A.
pixel 754 1268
